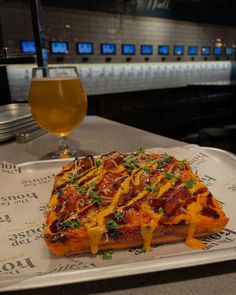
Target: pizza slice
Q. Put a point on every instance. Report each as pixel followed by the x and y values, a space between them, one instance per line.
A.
pixel 119 201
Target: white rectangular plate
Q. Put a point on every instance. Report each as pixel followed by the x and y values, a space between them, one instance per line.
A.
pixel 30 264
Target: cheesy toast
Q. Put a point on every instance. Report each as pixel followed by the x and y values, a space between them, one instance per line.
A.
pixel 122 200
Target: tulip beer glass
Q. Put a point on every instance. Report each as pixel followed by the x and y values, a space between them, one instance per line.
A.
pixel 58 104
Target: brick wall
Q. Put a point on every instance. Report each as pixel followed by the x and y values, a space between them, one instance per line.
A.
pixel 87 26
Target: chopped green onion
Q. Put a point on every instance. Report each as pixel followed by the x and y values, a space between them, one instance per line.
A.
pixel 131 163
pixel 182 164
pixel 73 179
pixel 80 189
pixel 98 162
pixel 140 150
pixel 111 224
pixel 150 188
pixel 70 223
pixel 118 215
pixel 96 199
pixel 162 161
pixel 160 210
pixel 190 183
pixel 106 255
pixel 168 175
pixel 146 169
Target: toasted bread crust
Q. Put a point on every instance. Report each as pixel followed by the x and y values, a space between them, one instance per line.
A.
pixel 74 243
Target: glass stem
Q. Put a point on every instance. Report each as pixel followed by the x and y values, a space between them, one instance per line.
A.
pixel 63 144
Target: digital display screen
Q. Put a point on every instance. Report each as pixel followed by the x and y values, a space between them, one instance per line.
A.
pixel 128 49
pixel 206 50
pixel 108 49
pixel 163 50
pixel 84 48
pixel 178 50
pixel 192 50
pixel 146 49
pixel 229 51
pixel 27 46
pixel 59 47
pixel 217 50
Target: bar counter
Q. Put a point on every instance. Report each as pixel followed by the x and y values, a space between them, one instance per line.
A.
pixel 97 135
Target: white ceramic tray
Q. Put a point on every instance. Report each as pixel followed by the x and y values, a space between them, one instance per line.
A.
pixel 129 262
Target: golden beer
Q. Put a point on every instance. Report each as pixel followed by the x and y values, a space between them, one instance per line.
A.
pixel 58 104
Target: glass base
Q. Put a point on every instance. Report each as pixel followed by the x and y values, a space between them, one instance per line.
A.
pixel 65 154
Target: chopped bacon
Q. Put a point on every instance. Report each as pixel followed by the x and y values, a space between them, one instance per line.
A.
pixel 210 212
pixel 112 160
pixel 209 207
pixel 67 202
pixel 109 184
pixel 172 199
pixel 85 163
pixel 131 216
pixel 136 216
pixel 210 200
pixel 54 226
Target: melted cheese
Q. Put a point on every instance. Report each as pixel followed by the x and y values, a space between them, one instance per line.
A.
pixel 181 217
pixel 142 194
pixel 165 187
pixel 193 210
pixel 93 172
pixel 53 201
pixel 131 202
pixel 118 169
pixel 147 229
pixel 137 178
pixel 198 185
pixel 95 232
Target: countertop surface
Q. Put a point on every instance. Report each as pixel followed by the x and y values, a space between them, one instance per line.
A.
pixel 97 135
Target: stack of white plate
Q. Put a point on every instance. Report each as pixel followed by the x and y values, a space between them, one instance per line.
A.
pixel 14 119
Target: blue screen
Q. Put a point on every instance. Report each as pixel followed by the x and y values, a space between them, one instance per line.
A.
pixel 85 48
pixel 128 49
pixel 228 51
pixel 108 48
pixel 163 50
pixel 192 50
pixel 27 46
pixel 217 50
pixel 206 50
pixel 146 49
pixel 178 50
pixel 60 47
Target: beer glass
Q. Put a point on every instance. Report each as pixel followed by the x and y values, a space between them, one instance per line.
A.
pixel 58 104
